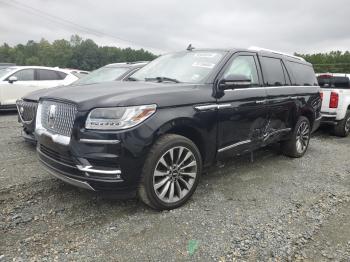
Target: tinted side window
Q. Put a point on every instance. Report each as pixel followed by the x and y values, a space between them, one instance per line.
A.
pixel 273 71
pixel 304 75
pixel 244 65
pixel 25 75
pixel 334 82
pixel 44 74
pixel 61 75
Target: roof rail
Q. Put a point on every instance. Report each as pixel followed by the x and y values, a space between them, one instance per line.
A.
pixel 256 48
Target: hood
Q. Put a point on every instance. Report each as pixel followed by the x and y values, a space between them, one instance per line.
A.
pixel 35 95
pixel 109 94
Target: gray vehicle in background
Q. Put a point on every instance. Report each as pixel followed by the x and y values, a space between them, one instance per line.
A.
pixel 27 106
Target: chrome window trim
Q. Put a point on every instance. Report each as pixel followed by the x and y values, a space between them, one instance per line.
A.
pixel 260 87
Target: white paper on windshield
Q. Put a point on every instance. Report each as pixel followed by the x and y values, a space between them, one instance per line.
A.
pixel 203 64
pixel 206 55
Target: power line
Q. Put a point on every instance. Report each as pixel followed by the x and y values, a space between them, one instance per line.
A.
pixel 70 24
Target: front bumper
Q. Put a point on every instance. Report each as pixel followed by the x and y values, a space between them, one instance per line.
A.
pixel 99 161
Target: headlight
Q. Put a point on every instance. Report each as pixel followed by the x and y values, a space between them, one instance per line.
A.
pixel 118 117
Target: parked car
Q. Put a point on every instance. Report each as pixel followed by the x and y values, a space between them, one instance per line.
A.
pixel 336 102
pixel 17 81
pixel 77 71
pixel 28 104
pixel 6 65
pixel 111 72
pixel 181 113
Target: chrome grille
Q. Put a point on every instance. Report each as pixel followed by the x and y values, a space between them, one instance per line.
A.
pixel 58 117
pixel 26 110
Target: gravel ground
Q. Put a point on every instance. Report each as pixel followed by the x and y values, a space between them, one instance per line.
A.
pixel 275 208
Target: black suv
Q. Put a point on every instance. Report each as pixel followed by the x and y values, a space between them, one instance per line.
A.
pixel 153 134
pixel 26 106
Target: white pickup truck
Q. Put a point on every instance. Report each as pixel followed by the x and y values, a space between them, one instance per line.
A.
pixel 335 102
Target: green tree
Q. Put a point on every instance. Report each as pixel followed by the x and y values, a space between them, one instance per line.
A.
pixel 75 53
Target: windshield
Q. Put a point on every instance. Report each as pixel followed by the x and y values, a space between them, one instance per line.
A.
pixel 5 71
pixel 341 82
pixel 187 67
pixel 103 74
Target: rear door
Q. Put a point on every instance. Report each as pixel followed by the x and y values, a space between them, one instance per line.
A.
pixel 242 112
pixel 49 78
pixel 280 98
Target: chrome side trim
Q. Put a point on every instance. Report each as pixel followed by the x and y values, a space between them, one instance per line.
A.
pixel 222 106
pixel 98 141
pixel 277 132
pixel 234 145
pixel 212 107
pixel 89 169
pixel 206 107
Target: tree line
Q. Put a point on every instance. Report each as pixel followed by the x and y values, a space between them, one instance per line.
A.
pixel 87 55
pixel 333 62
pixel 76 53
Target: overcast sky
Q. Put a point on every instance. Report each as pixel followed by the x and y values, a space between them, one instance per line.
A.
pixel 306 26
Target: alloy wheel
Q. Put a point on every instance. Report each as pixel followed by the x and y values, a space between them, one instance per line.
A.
pixel 347 125
pixel 302 138
pixel 175 174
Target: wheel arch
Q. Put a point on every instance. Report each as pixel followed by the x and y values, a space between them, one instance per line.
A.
pixel 187 127
pixel 309 114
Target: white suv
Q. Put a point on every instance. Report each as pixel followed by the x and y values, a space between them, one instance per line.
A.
pixel 336 101
pixel 17 81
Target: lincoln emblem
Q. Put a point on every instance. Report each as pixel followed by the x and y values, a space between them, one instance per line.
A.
pixel 52 115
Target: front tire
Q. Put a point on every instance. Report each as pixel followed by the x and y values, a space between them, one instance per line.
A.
pixel 299 142
pixel 342 129
pixel 171 173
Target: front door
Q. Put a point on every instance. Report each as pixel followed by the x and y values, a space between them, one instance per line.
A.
pixel 242 113
pixel 12 91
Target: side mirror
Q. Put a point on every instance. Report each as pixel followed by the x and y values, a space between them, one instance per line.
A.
pixel 12 79
pixel 234 81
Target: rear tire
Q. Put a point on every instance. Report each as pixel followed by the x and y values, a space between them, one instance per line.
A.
pixel 342 129
pixel 299 142
pixel 171 173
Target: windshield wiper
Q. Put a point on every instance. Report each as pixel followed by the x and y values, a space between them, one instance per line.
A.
pixel 162 79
